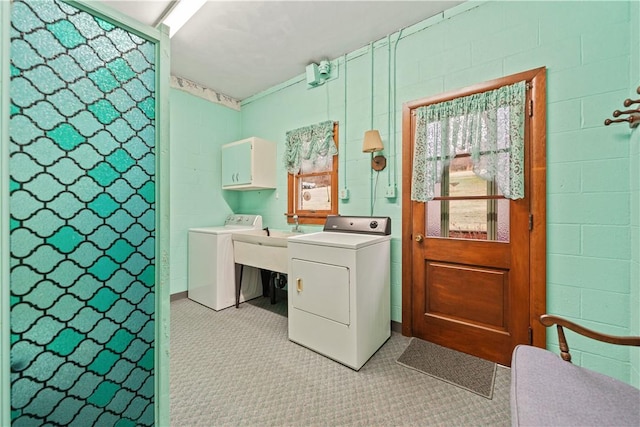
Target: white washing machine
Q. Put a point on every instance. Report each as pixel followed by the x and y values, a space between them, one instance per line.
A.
pixel 339 288
pixel 212 274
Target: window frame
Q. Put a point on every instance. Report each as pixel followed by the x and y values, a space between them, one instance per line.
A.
pixel 310 216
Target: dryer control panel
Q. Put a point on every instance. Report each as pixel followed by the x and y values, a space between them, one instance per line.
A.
pixel 358 224
pixel 249 221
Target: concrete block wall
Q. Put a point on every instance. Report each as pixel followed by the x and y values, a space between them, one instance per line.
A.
pixel 198 129
pixel 635 199
pixel 592 65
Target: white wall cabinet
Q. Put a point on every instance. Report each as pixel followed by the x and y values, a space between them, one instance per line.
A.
pixel 249 164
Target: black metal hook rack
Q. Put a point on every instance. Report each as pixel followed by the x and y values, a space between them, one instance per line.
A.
pixel 633 115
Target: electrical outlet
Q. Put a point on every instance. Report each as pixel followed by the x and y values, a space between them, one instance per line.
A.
pixel 390 192
pixel 343 194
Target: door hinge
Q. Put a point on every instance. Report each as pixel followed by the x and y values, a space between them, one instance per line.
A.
pixel 530 222
pixel 531 108
pixel 530 335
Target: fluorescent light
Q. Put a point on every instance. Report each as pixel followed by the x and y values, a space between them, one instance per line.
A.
pixel 180 14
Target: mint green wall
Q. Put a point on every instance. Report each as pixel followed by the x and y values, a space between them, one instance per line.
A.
pixel 635 199
pixel 592 55
pixel 592 198
pixel 198 129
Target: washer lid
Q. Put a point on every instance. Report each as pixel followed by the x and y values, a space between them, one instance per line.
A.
pixel 339 240
pixel 227 229
pixel 233 222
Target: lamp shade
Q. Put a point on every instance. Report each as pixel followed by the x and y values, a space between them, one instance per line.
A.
pixel 372 142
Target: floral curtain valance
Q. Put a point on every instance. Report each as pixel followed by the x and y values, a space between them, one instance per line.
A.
pixel 489 126
pixel 308 143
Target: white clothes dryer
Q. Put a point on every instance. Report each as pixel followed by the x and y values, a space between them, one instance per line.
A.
pixel 211 269
pixel 339 288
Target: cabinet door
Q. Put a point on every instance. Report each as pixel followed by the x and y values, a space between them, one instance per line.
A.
pixel 243 163
pixel 228 165
pixel 236 164
pixel 320 289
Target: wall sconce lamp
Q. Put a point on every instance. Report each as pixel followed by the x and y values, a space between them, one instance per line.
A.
pixel 372 143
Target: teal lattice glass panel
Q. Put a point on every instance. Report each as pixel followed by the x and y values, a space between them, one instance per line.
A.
pixel 82 230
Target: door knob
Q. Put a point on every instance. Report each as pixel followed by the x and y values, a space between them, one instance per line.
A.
pixel 419 238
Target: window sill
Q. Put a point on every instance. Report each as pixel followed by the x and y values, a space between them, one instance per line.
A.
pixel 308 218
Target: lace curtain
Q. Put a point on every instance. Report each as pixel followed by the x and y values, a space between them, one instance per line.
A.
pixel 489 126
pixel 309 143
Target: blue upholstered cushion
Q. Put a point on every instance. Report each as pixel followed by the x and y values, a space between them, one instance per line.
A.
pixel 547 391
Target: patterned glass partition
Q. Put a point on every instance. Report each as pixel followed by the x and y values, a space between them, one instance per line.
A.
pixel 82 213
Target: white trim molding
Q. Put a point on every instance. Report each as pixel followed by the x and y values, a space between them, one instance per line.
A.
pixel 204 92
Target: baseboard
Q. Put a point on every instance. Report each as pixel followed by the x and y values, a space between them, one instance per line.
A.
pixel 396 326
pixel 179 295
pixel 280 295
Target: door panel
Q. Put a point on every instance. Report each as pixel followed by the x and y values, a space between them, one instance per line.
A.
pixel 321 289
pixel 472 251
pixel 476 295
pixel 82 219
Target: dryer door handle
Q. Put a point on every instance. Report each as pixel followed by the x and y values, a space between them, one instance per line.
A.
pixel 299 284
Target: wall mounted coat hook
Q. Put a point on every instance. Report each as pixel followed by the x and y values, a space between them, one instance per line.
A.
pixel 634 115
pixel 633 120
pixel 618 113
pixel 628 102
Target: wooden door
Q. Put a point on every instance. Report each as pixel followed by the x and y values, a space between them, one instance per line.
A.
pixel 470 255
pixel 471 295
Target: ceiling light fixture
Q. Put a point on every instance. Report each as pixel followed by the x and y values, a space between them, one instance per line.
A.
pixel 318 74
pixel 181 13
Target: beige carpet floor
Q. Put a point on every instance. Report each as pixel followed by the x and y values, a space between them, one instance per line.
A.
pixel 236 367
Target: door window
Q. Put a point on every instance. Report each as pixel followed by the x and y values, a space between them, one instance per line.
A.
pixel 466 206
